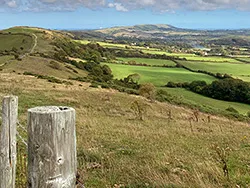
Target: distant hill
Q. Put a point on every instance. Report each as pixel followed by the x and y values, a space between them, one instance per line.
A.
pixel 163 32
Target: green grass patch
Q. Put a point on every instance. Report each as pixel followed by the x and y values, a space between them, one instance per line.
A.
pixel 192 57
pixel 114 45
pixel 210 104
pixel 147 61
pixel 247 59
pixel 241 71
pixel 157 75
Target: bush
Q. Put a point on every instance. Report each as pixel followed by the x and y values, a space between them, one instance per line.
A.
pixel 171 85
pixel 55 65
pixel 163 96
pixel 248 114
pixel 105 85
pixel 94 85
pixel 233 110
pixel 147 90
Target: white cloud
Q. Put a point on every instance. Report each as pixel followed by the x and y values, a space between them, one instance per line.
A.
pixel 11 4
pixel 172 5
pixel 124 5
pixel 118 7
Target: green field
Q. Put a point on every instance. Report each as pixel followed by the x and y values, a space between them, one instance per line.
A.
pixel 160 52
pixel 159 62
pixel 192 57
pixel 241 71
pixel 189 57
pixel 244 59
pixel 211 104
pixel 157 75
pixel 22 43
pixel 212 58
pixel 113 45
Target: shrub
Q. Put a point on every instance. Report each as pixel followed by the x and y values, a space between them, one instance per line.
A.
pixel 55 65
pixel 94 85
pixel 163 96
pixel 233 110
pixel 147 90
pixel 139 109
pixel 248 114
pixel 171 85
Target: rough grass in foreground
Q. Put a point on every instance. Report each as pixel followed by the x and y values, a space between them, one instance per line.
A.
pixel 118 150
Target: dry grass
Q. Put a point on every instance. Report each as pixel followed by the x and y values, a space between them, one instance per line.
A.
pixel 41 66
pixel 117 150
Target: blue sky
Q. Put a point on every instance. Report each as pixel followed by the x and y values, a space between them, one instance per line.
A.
pixel 83 14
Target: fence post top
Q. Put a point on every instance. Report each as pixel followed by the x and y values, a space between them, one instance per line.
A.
pixel 50 109
pixel 10 96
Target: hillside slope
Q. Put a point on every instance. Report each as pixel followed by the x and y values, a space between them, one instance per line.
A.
pixel 169 148
pixel 29 49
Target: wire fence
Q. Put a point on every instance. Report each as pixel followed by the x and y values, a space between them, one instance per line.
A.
pixel 22 159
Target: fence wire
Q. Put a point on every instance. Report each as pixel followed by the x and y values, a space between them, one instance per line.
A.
pixel 22 160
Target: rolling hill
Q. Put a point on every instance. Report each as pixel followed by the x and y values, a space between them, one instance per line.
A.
pixel 128 140
pixel 30 49
pixel 170 34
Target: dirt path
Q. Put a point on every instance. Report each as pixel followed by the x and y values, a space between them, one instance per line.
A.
pixel 35 44
pixel 33 47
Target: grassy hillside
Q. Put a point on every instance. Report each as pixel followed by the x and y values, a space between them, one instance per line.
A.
pixel 205 103
pixel 35 48
pixel 167 149
pixel 42 66
pixel 21 42
pixel 43 37
pixel 126 140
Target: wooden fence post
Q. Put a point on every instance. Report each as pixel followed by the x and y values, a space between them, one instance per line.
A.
pixel 8 142
pixel 51 147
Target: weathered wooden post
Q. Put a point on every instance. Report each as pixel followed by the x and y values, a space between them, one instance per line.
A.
pixel 8 142
pixel 51 147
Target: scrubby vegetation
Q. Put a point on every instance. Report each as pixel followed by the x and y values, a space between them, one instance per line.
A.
pixel 48 78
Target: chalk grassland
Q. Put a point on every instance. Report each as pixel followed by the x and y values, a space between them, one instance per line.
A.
pixel 159 62
pixel 117 150
pixel 40 66
pixel 241 71
pixel 22 43
pixel 157 75
pixel 45 38
pixel 6 58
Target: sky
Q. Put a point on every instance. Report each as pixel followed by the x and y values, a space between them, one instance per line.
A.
pixel 95 14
